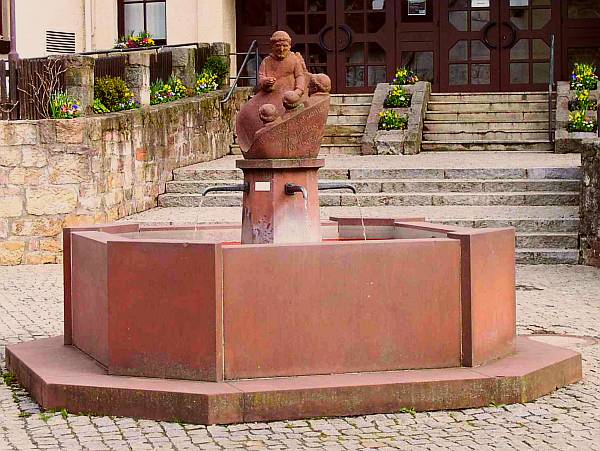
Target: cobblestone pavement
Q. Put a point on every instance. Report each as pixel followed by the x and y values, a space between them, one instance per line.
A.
pixel 553 301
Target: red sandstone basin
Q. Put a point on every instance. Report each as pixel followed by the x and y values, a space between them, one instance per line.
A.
pixel 189 303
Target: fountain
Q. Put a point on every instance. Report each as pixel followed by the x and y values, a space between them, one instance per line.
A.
pixel 287 316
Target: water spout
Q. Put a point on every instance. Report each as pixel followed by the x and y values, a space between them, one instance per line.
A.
pixel 291 189
pixel 244 187
pixel 336 185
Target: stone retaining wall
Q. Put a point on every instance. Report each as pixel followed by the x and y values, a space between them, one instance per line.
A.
pixel 590 202
pixel 56 173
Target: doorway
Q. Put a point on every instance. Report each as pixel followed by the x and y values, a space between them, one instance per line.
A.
pixel 497 45
pixel 350 40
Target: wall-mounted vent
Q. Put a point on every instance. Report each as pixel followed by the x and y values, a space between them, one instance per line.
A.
pixel 60 42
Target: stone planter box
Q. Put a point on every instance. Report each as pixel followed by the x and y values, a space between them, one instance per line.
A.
pixel 565 141
pixel 397 142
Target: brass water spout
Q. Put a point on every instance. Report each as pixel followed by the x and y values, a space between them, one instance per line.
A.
pixel 291 189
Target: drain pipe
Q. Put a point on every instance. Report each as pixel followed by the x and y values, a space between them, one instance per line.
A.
pixel 291 189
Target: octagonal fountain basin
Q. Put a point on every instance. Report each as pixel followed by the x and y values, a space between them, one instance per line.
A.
pixel 184 323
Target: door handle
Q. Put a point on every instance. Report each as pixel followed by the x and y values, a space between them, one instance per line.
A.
pixel 513 34
pixel 485 30
pixel 346 29
pixel 322 38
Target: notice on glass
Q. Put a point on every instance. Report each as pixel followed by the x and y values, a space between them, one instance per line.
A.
pixel 480 3
pixel 417 7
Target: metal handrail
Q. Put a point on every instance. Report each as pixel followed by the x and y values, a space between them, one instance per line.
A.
pixel 253 47
pixel 551 91
pixel 136 49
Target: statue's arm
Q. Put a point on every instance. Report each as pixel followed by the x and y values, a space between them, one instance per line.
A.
pixel 300 76
pixel 263 79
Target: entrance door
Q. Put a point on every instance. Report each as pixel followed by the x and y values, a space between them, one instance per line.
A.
pixel 497 45
pixel 350 40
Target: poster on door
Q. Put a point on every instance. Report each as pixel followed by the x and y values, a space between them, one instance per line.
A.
pixel 417 7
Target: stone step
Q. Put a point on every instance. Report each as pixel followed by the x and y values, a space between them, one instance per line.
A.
pixel 473 97
pixel 462 135
pixel 546 240
pixel 489 116
pixel 411 185
pixel 340 130
pixel 350 138
pixel 347 120
pixel 547 256
pixel 196 172
pixel 490 146
pixel 340 149
pixel 350 109
pixel 477 126
pixel 364 99
pixel 394 199
pixel 481 107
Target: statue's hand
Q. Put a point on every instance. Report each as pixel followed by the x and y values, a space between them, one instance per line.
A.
pixel 269 82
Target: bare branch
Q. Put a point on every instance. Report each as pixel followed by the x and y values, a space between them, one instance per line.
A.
pixel 46 82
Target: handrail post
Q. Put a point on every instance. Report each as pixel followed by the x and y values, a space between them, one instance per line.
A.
pixel 253 46
pixel 551 90
pixel 257 57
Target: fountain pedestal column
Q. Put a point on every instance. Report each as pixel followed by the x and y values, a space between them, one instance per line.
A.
pixel 270 215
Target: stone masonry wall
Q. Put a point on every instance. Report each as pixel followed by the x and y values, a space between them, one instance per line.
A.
pixel 590 202
pixel 56 173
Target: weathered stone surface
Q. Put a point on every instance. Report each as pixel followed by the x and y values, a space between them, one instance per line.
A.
pixel 29 176
pixel 11 252
pixel 33 156
pixel 51 200
pixel 50 226
pixel 11 206
pixel 590 202
pixel 68 168
pixel 71 131
pixel 10 156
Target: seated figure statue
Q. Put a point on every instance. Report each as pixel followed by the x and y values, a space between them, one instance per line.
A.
pixel 284 85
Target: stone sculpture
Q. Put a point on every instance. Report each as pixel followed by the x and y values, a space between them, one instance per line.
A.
pixel 286 118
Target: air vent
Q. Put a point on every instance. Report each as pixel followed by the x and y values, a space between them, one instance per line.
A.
pixel 60 42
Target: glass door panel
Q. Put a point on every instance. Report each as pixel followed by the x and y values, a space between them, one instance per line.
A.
pixel 469 54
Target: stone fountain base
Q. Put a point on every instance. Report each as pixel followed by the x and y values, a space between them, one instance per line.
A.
pixel 185 323
pixel 61 376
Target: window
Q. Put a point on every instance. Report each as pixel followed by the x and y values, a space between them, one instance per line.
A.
pixel 144 15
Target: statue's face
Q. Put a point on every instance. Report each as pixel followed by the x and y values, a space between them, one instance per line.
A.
pixel 281 49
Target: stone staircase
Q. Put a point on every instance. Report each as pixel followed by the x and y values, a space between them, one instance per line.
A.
pixel 540 203
pixel 487 121
pixel 345 125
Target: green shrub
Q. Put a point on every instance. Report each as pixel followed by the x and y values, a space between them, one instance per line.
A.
pixel 397 98
pixel 219 66
pixel 99 108
pixel 64 106
pixel 390 120
pixel 113 93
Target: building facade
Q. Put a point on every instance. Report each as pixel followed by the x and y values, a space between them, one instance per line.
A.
pixel 458 45
pixel 67 26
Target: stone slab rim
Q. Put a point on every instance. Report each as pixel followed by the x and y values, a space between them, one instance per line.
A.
pixel 59 376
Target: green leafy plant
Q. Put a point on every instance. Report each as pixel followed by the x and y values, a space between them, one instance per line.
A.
pixel 578 122
pixel 64 106
pixel 405 76
pixel 219 66
pixel 134 41
pixel 99 108
pixel 390 120
pixel 9 378
pixel 113 93
pixel 397 98
pixel 205 82
pixel 161 92
pixel 410 410
pixel 584 77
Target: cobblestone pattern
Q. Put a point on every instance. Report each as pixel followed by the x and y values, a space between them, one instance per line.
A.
pixel 551 300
